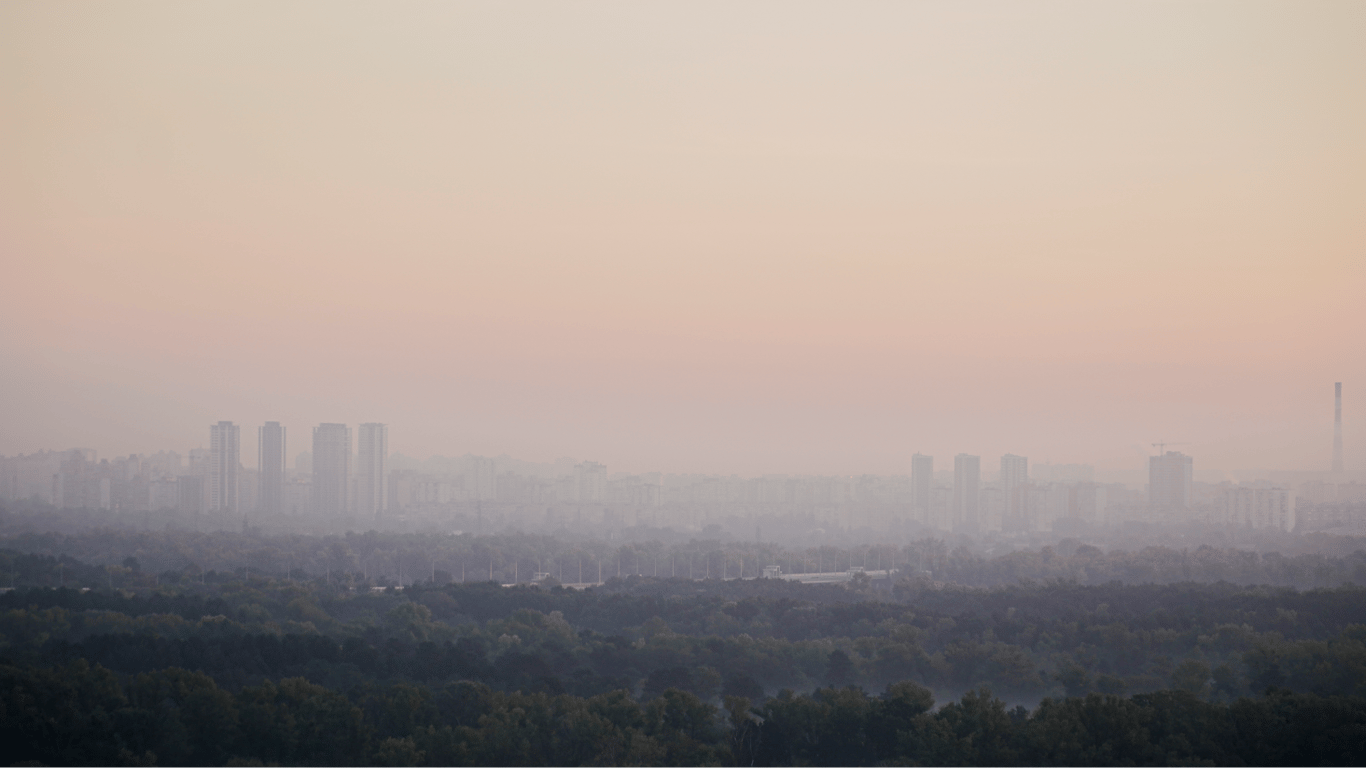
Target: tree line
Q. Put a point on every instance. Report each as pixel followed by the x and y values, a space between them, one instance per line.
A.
pixel 250 665
pixel 754 637
pixel 148 558
pixel 80 714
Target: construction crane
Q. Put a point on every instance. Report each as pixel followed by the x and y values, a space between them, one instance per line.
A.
pixel 1162 447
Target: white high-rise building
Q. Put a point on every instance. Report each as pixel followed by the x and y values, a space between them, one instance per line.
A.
pixel 331 469
pixel 270 461
pixel 372 471
pixel 225 443
pixel 1169 481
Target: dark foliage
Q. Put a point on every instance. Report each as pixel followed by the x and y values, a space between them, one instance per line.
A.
pixel 245 669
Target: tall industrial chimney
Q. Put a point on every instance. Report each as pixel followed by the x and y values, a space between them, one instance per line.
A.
pixel 1337 428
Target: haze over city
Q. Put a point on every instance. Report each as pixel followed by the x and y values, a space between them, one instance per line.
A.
pixel 755 239
pixel 694 383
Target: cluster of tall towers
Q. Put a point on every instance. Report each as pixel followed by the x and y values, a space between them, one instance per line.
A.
pixel 965 507
pixel 336 488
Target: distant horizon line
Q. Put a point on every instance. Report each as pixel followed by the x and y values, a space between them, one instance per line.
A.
pixel 1346 475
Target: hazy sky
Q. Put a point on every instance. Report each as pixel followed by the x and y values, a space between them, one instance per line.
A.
pixel 731 237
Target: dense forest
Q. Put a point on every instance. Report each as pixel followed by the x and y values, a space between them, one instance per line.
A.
pixel 82 715
pixel 122 664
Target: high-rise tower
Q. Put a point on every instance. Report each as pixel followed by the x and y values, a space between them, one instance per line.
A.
pixel 1337 428
pixel 967 486
pixel 331 469
pixel 270 458
pixel 1014 476
pixel 224 459
pixel 1169 481
pixel 372 477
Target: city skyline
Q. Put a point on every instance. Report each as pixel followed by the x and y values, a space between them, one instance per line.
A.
pixel 1129 456
pixel 335 486
pixel 271 449
pixel 224 441
pixel 273 463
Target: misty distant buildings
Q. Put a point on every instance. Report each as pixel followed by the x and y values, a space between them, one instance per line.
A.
pixel 477 493
pixel 372 472
pixel 76 485
pixel 590 480
pixel 1062 473
pixel 31 476
pixel 481 478
pixel 1089 502
pixel 967 486
pixel 224 462
pixel 331 469
pixel 270 453
pixel 331 484
pixel 922 487
pixel 198 467
pixel 1169 481
pixel 1258 508
pixel 1013 481
pixel 189 491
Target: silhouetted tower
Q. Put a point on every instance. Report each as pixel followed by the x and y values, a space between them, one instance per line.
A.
pixel 224 459
pixel 1169 481
pixel 372 479
pixel 1014 477
pixel 1337 428
pixel 270 460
